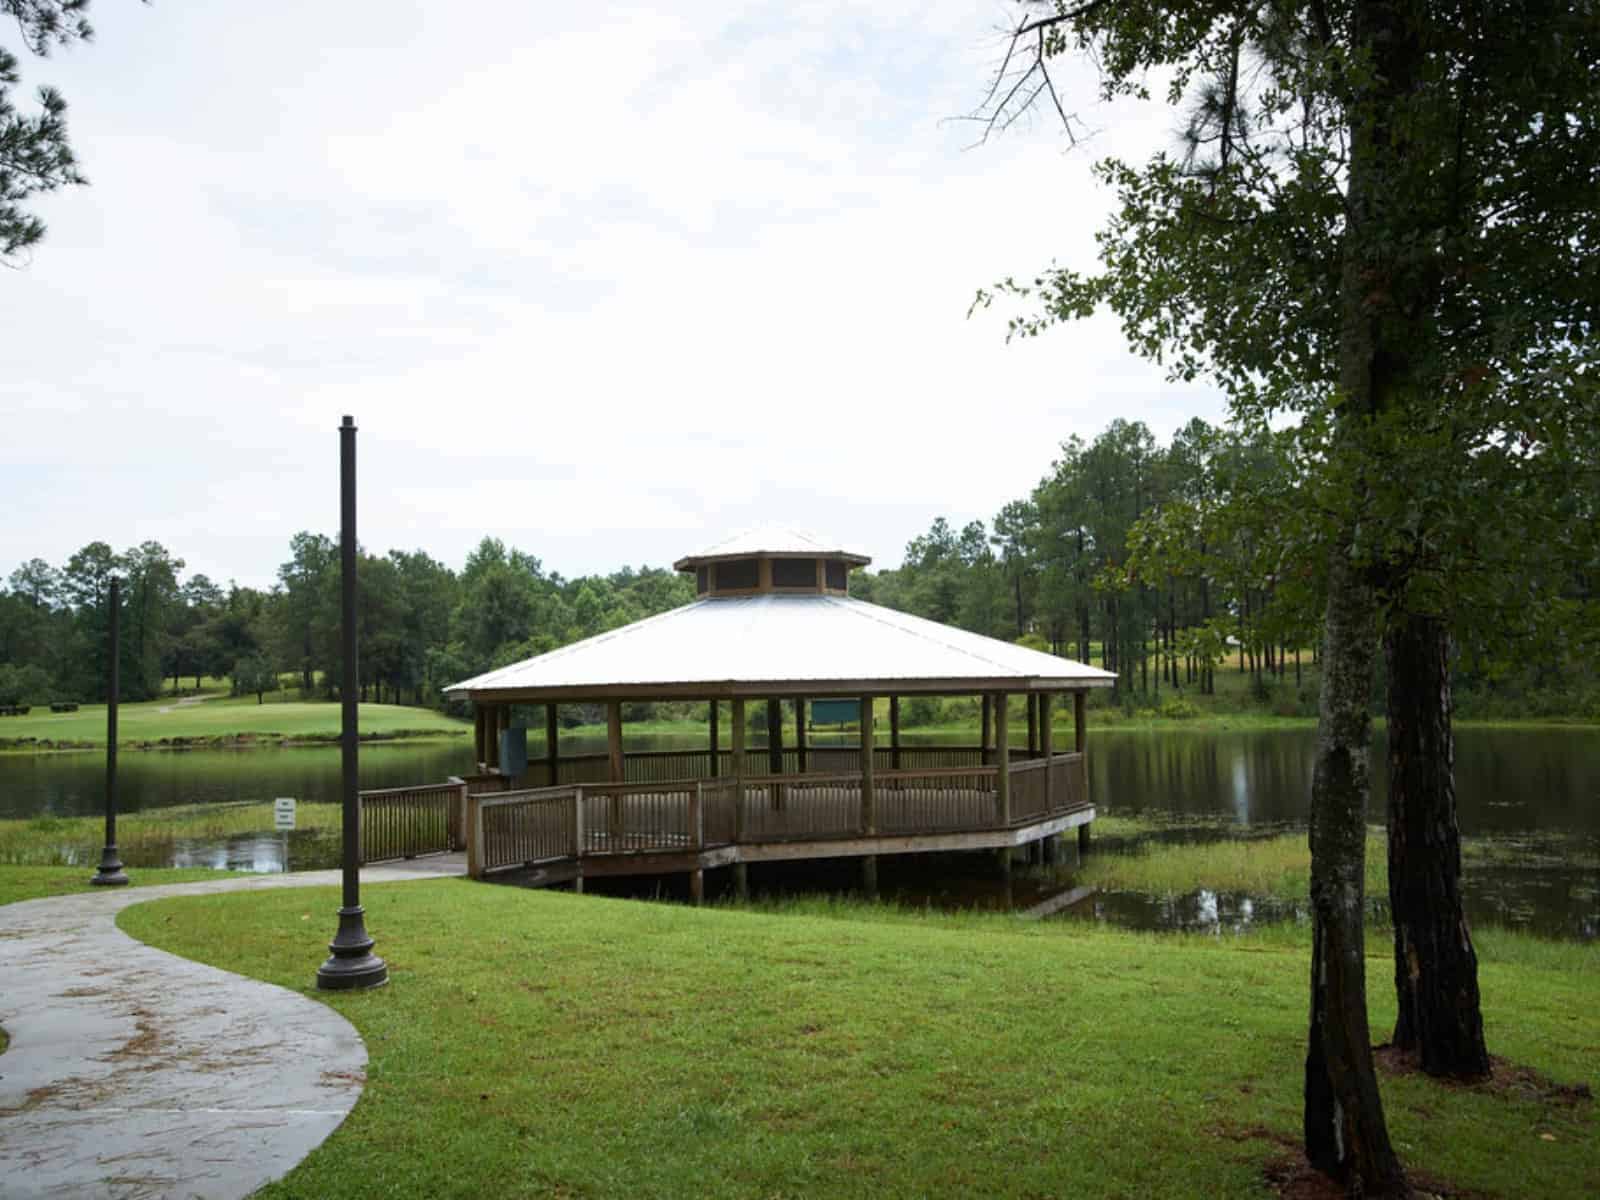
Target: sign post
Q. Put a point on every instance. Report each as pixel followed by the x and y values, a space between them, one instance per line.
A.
pixel 283 822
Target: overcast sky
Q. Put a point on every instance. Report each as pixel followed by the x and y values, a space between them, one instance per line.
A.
pixel 604 282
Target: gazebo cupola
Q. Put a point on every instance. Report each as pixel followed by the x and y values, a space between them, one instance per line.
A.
pixel 772 559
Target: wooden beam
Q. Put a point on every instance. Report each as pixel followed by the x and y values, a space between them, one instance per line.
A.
pixel 1002 777
pixel 552 744
pixel 738 770
pixel 614 739
pixel 479 723
pixel 775 736
pixel 1044 744
pixel 716 749
pixel 1080 721
pixel 491 757
pixel 925 843
pixel 800 734
pixel 614 816
pixel 869 790
pixel 1033 726
pixel 894 733
pixel 983 731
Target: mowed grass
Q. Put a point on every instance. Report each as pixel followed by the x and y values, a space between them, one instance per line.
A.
pixel 150 721
pixel 35 883
pixel 46 840
pixel 546 1044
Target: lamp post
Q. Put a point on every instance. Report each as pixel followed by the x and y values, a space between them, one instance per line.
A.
pixel 352 963
pixel 111 873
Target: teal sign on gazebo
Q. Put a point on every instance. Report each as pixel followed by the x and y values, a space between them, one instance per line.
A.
pixel 835 712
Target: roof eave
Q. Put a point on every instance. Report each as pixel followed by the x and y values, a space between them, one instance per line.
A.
pixel 692 561
pixel 763 689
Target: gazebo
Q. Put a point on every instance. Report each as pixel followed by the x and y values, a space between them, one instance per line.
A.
pixel 772 621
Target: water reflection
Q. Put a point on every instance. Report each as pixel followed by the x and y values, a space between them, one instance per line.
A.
pixel 1531 795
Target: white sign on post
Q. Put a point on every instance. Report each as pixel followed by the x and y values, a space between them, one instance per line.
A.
pixel 283 812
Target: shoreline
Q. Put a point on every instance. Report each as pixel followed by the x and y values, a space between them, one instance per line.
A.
pixel 223 741
pixel 1236 723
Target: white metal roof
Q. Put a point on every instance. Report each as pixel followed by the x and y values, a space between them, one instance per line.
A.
pixel 774 644
pixel 779 540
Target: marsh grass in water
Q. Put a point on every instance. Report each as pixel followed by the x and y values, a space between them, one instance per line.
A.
pixel 540 1043
pixel 47 840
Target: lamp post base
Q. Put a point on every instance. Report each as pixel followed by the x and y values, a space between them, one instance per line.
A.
pixel 352 965
pixel 110 872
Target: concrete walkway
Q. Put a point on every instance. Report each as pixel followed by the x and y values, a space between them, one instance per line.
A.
pixel 135 1073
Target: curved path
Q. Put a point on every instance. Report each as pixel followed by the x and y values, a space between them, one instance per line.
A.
pixel 135 1073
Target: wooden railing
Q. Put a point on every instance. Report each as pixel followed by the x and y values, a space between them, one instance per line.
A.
pixel 674 766
pixel 514 829
pixel 405 822
pixel 780 808
pixel 718 806
pixel 1069 783
pixel 936 801
pixel 637 817
pixel 575 821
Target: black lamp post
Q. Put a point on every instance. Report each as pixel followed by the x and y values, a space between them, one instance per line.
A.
pixel 111 873
pixel 352 964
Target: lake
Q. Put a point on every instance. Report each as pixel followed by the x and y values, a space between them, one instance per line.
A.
pixel 1536 792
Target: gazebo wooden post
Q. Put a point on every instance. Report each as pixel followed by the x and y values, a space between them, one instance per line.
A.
pixel 491 757
pixel 869 798
pixel 1002 775
pixel 983 731
pixel 741 874
pixel 775 749
pixel 1033 725
pixel 697 840
pixel 716 750
pixel 1044 746
pixel 800 735
pixel 869 791
pixel 1080 739
pixel 614 825
pixel 478 722
pixel 894 733
pixel 552 744
pixel 775 736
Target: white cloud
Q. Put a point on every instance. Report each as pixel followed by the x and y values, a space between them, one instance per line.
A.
pixel 601 284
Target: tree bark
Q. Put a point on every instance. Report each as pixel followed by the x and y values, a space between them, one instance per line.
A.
pixel 1345 1132
pixel 1435 966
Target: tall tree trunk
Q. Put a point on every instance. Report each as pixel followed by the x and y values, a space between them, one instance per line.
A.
pixel 1435 966
pixel 1345 1132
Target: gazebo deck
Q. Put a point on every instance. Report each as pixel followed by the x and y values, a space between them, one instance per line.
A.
pixel 656 825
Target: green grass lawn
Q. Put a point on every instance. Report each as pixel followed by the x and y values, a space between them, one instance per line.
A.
pixel 546 1044
pixel 222 717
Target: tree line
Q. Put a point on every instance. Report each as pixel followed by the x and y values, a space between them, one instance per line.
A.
pixel 422 625
pixel 1160 562
pixel 1163 562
